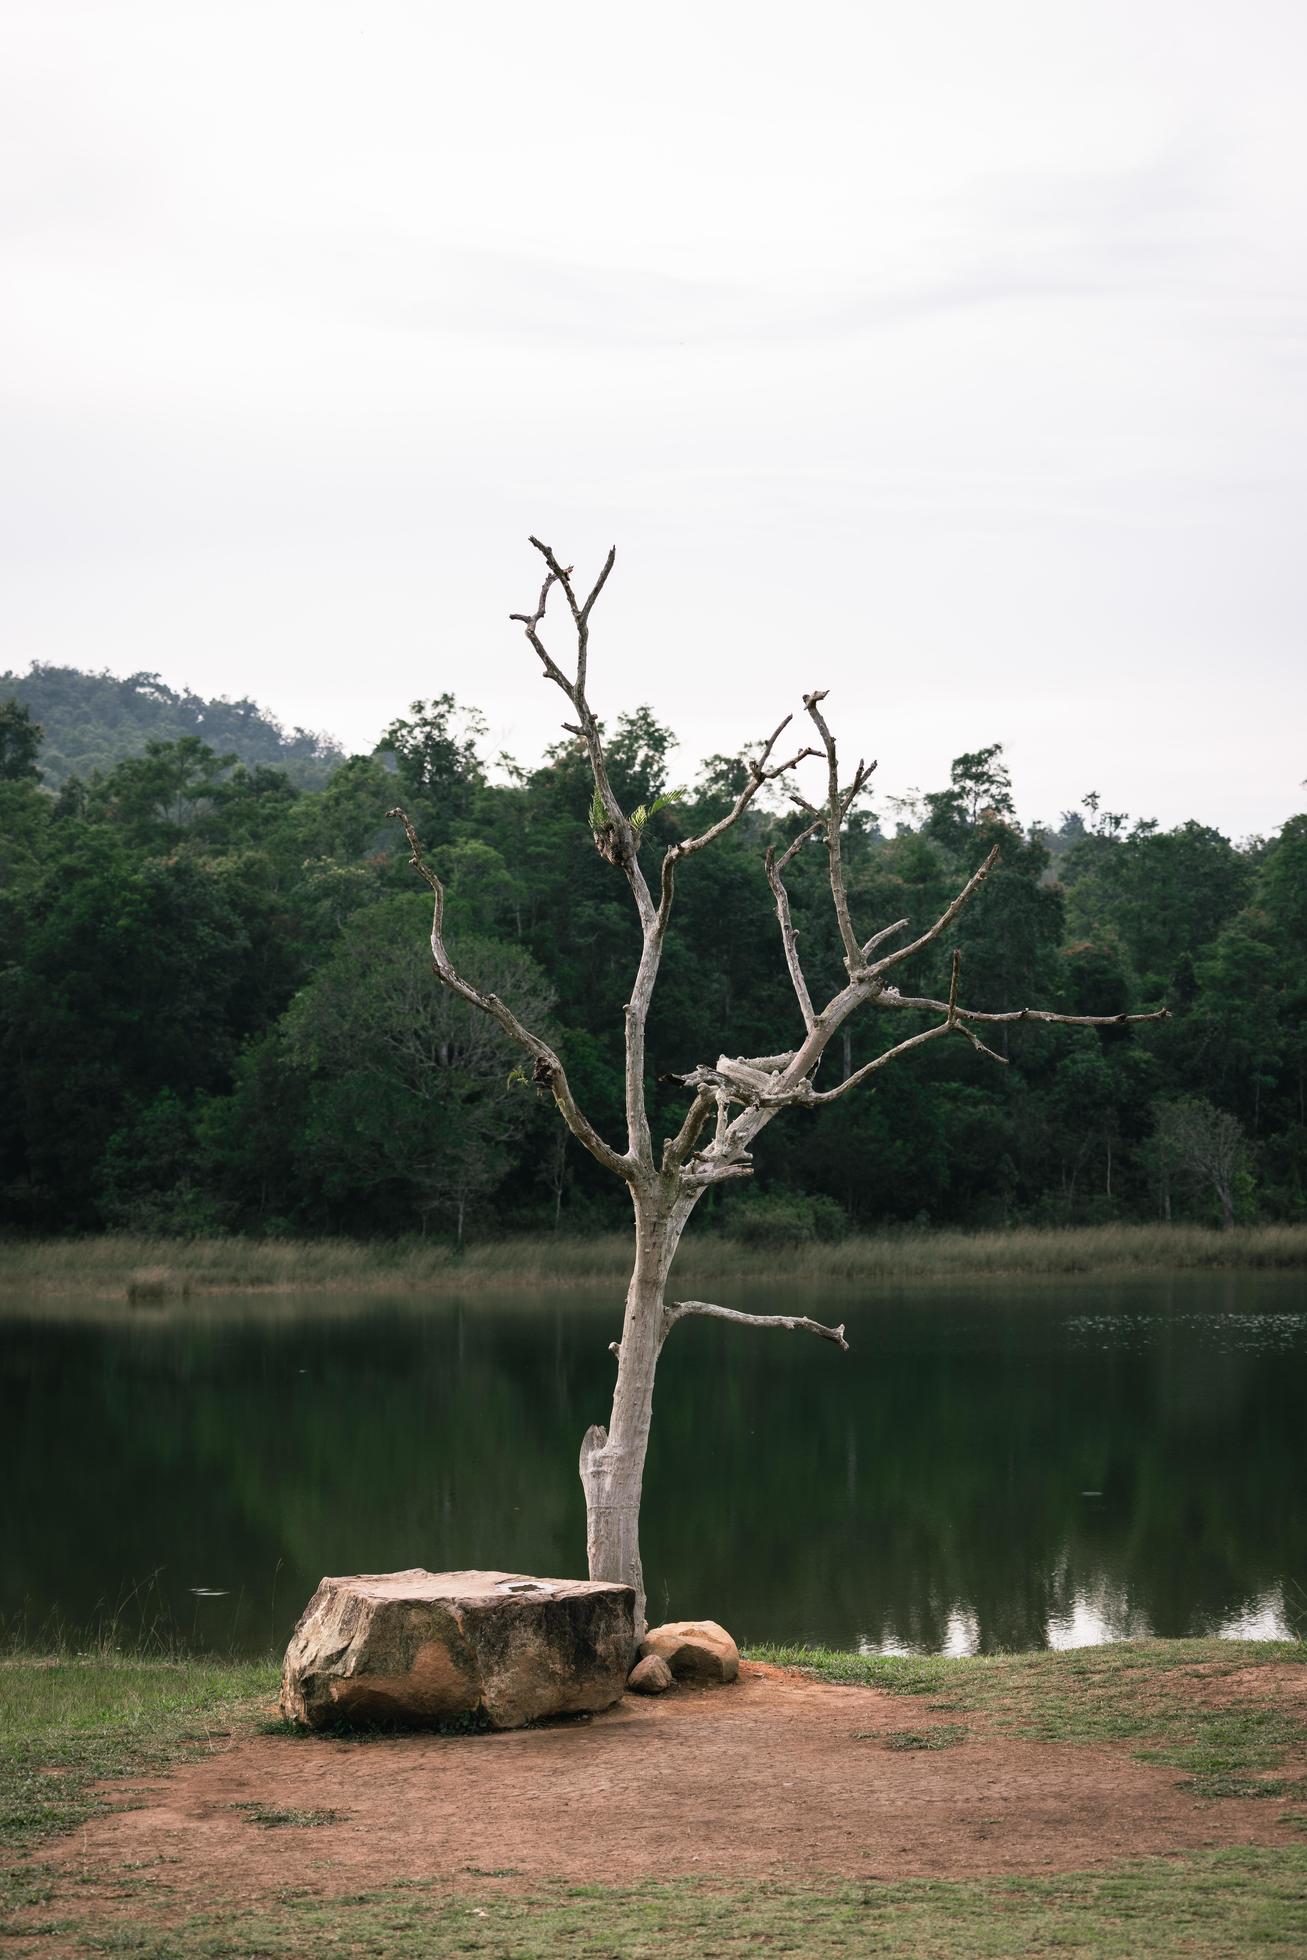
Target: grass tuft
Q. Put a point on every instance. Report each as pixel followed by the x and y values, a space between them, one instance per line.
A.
pixel 945 1735
pixel 1229 1783
pixel 151 1285
pixel 272 1819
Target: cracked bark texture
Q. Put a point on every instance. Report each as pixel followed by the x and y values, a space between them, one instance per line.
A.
pixel 733 1099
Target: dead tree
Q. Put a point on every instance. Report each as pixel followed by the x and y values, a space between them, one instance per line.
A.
pixel 733 1099
pixel 1199 1146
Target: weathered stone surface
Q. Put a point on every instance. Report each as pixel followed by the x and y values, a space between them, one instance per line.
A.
pixel 419 1648
pixel 695 1650
pixel 651 1676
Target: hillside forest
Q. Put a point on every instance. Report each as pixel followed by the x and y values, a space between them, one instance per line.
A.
pixel 217 1010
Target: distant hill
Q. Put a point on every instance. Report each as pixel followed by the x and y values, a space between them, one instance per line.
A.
pixel 92 721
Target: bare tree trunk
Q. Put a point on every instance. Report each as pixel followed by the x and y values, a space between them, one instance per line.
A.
pixel 558 1173
pixel 1226 1199
pixel 612 1459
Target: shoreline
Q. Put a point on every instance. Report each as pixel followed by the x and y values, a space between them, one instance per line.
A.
pixel 149 1270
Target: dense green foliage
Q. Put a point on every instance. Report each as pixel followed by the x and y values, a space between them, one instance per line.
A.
pixel 216 1012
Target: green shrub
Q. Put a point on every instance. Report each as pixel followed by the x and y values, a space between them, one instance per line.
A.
pixel 766 1218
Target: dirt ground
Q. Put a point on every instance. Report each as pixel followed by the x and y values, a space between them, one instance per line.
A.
pixel 778 1777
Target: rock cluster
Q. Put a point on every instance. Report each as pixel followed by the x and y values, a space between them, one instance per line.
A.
pixel 425 1648
pixel 689 1650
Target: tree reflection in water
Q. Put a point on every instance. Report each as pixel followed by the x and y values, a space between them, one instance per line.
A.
pixel 995 1466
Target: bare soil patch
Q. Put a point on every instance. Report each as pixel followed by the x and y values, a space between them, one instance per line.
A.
pixel 1222 1684
pixel 778 1777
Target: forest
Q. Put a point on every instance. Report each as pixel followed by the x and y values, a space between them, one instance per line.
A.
pixel 217 1010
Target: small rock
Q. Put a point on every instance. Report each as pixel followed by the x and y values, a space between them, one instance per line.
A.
pixel 695 1650
pixel 422 1648
pixel 651 1676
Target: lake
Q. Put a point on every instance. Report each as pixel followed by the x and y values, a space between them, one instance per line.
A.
pixel 994 1465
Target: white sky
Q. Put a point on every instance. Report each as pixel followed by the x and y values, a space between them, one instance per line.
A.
pixel 949 357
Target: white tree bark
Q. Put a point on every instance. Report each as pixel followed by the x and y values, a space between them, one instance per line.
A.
pixel 740 1095
pixel 612 1458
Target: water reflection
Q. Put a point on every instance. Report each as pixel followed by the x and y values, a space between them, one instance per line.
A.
pixel 1095 1622
pixel 990 1467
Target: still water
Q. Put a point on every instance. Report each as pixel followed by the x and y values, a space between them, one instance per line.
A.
pixel 993 1465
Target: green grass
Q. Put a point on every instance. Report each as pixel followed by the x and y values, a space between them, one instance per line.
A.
pixel 160 1270
pixel 1141 1692
pixel 1213 1905
pixel 71 1722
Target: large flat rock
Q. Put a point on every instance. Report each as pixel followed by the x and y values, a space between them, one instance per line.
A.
pixel 421 1648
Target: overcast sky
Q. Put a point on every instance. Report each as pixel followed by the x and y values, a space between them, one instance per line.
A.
pixel 947 356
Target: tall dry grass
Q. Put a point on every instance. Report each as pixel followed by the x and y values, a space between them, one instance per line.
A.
pixel 173 1268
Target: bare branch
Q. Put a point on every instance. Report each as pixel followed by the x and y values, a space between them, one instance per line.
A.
pixel 851 949
pixel 791 1323
pixel 624 842
pixel 759 774
pixel 765 1091
pixel 531 621
pixel 979 1045
pixel 598 585
pixel 705 1173
pixel 951 1013
pixel 789 937
pixel 945 919
pixel 837 808
pixel 617 842
pixel 796 844
pixel 954 1022
pixel 563 573
pixel 920 1004
pixel 580 614
pixel 678 1148
pixel 676 1151
pixel 548 1071
pixel 886 932
pixel 814 1096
